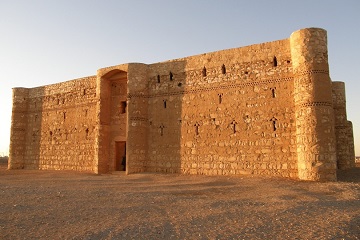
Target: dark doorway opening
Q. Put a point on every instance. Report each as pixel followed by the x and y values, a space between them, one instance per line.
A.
pixel 120 156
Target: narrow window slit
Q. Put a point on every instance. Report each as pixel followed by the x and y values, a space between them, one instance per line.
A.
pixel 233 123
pixel 273 92
pixel 158 78
pixel 196 125
pixel 204 72
pixel 164 103
pixel 162 129
pixel 220 97
pixel 274 123
pixel 123 107
pixel 171 76
pixel 223 69
pixel 275 62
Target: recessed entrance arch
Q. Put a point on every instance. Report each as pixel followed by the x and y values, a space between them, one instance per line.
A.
pixel 113 120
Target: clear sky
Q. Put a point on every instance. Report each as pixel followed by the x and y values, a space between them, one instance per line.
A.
pixel 49 41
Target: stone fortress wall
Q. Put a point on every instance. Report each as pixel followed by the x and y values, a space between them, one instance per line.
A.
pixel 226 112
pixel 268 108
pixel 53 126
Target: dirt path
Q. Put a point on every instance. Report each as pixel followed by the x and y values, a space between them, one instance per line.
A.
pixel 71 205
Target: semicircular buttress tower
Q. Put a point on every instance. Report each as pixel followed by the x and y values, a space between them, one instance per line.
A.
pixel 343 129
pixel 315 133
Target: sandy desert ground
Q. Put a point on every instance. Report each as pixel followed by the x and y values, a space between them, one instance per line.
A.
pixel 72 205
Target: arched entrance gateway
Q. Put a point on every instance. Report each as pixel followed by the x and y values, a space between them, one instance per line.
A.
pixel 113 121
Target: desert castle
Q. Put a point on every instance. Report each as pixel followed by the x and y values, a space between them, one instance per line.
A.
pixel 268 108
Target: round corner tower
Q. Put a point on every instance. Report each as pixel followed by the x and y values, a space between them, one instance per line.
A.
pixel 343 128
pixel 18 128
pixel 315 132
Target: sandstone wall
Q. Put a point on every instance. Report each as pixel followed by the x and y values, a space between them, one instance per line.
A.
pixel 167 84
pixel 228 112
pixel 137 134
pixel 57 126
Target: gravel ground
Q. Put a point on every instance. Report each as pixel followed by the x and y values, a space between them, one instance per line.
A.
pixel 72 205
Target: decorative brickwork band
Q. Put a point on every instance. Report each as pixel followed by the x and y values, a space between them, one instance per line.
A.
pixel 315 104
pixel 207 89
pixel 310 72
pixel 142 119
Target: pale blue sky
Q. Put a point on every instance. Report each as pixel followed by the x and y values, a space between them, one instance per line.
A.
pixel 49 41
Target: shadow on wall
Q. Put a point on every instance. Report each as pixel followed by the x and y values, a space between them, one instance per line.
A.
pixel 349 175
pixel 53 126
pixel 4 160
pixel 26 128
pixel 36 134
pixel 166 121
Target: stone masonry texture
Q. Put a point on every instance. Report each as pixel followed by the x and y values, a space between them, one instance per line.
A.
pixel 268 108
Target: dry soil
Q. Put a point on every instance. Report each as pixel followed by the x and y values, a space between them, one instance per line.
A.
pixel 73 205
